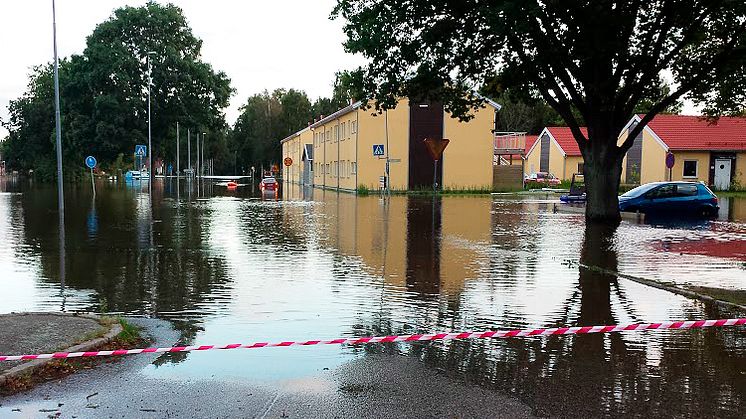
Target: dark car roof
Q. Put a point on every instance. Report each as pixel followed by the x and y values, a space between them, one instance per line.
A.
pixel 648 186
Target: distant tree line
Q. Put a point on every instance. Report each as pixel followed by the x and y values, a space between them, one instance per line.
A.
pixel 104 90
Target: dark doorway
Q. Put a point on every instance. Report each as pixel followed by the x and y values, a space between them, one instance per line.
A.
pixel 425 121
pixel 634 159
pixel 544 153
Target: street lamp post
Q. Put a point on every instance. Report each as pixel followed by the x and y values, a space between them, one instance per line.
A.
pixel 151 175
pixel 58 119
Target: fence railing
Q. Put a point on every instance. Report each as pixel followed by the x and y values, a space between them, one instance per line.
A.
pixel 510 142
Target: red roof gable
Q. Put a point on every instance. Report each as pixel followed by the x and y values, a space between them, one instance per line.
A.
pixel 530 140
pixel 566 140
pixel 689 132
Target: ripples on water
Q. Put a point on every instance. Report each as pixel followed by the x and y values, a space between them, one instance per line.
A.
pixel 233 268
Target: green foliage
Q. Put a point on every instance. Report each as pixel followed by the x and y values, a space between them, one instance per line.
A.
pixel 104 94
pixel 129 334
pixel 267 118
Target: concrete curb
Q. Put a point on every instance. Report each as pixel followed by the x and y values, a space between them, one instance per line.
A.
pixel 666 287
pixel 28 367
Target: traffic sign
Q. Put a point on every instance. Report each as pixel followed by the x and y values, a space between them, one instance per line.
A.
pixel 378 150
pixel 141 150
pixel 288 161
pixel 670 160
pixel 90 162
pixel 436 147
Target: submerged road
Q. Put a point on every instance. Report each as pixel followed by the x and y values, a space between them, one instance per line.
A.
pixel 371 386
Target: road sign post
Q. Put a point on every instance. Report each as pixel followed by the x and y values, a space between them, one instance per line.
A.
pixel 436 147
pixel 670 161
pixel 90 161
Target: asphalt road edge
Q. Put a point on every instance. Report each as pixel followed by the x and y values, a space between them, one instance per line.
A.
pixel 88 345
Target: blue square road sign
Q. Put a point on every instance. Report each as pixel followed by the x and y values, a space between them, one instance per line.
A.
pixel 378 150
pixel 141 150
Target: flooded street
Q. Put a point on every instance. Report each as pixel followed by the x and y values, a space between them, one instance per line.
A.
pixel 227 267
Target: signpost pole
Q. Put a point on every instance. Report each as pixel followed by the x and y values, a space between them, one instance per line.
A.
pixel 177 150
pixel 388 168
pixel 189 148
pixel 93 184
pixel 435 177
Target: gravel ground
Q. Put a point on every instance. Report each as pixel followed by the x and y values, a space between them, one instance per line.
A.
pixel 31 333
pixel 371 386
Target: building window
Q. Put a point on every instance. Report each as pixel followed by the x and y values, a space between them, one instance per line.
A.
pixel 354 168
pixel 354 127
pixel 581 168
pixel 690 168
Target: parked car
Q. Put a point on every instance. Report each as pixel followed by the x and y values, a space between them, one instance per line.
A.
pixel 670 198
pixel 541 179
pixel 268 184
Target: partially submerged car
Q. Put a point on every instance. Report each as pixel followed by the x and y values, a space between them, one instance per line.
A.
pixel 670 198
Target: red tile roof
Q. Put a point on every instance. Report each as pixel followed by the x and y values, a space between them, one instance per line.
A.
pixel 566 140
pixel 530 140
pixel 688 132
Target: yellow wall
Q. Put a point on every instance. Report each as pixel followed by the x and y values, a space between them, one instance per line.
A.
pixel 372 130
pixel 556 160
pixel 533 159
pixel 653 163
pixel 467 161
pixel 293 148
pixel 571 166
pixel 703 165
pixel 741 171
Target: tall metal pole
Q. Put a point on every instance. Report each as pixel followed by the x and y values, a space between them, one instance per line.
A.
pixel 151 175
pixel 58 120
pixel 177 149
pixel 196 164
pixel 202 154
pixel 388 160
pixel 189 147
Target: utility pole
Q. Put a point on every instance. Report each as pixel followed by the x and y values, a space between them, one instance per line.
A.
pixel 151 175
pixel 58 132
pixel 58 120
pixel 177 149
pixel 189 147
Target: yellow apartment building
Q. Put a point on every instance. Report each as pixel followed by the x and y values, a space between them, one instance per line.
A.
pixel 349 149
pixel 703 151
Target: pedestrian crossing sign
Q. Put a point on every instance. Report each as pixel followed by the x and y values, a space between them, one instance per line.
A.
pixel 141 150
pixel 378 150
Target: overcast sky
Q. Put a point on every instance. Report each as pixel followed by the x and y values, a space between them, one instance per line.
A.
pixel 259 44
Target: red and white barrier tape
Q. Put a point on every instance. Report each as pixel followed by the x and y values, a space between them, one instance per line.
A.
pixel 402 338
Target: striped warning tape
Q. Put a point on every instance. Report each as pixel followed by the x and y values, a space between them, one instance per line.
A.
pixel 697 324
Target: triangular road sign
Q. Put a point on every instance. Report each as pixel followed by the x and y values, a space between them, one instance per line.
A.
pixel 436 147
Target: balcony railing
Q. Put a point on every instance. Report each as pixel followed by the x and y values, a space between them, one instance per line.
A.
pixel 510 143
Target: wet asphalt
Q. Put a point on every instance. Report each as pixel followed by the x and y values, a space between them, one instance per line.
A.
pixel 368 387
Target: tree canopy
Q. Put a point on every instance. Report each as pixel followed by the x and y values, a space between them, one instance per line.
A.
pixel 104 93
pixel 592 61
pixel 267 118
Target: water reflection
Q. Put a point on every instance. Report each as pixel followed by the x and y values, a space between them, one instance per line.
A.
pixel 227 266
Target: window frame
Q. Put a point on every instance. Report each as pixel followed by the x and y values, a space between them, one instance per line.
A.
pixel 696 169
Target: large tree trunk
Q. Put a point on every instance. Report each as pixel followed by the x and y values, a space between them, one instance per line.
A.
pixel 603 170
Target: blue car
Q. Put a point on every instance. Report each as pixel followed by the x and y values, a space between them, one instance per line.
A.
pixel 670 198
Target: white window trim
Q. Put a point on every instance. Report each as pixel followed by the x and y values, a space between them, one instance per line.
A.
pixel 696 169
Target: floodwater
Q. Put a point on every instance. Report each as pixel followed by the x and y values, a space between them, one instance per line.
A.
pixel 231 266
